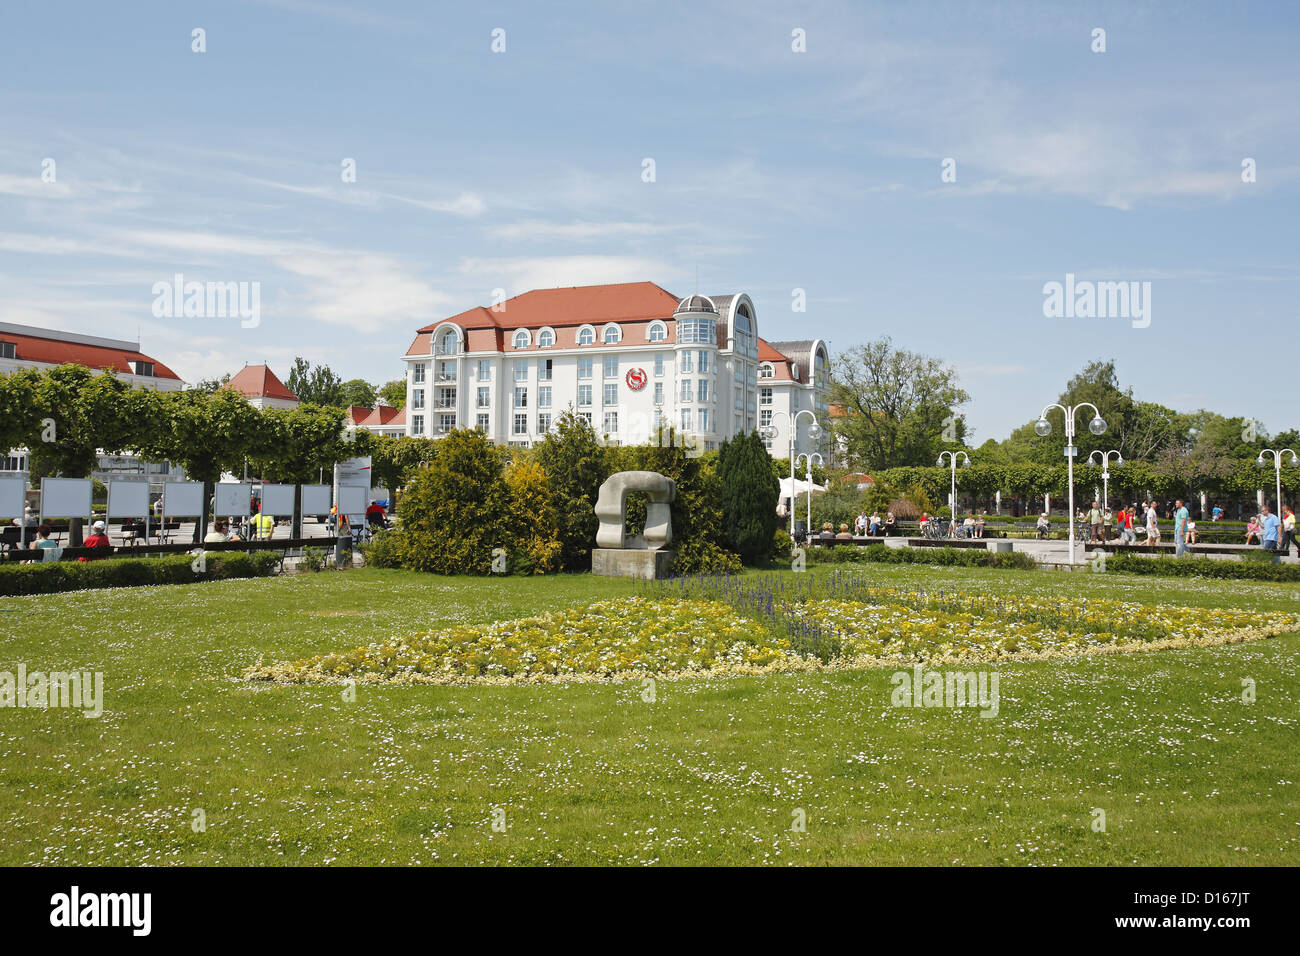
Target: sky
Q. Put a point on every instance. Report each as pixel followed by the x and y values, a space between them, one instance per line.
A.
pixel 918 170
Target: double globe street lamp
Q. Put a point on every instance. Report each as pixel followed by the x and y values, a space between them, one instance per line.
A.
pixel 1105 473
pixel 1277 468
pixel 809 456
pixel 768 432
pixel 1043 428
pixel 952 500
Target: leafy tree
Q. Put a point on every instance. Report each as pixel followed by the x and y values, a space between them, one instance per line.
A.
pixel 576 464
pixel 393 393
pixel 315 386
pixel 300 441
pixel 457 510
pixel 535 519
pixel 210 385
pixel 395 457
pixel 19 422
pixel 82 412
pixel 898 405
pixel 356 391
pixel 749 497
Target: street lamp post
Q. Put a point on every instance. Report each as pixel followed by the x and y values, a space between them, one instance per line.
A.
pixel 1043 428
pixel 768 431
pixel 1105 473
pixel 952 459
pixel 1277 468
pixel 809 456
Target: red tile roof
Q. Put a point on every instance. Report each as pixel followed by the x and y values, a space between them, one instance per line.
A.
pixel 766 353
pixel 385 415
pixel 356 413
pixel 34 348
pixel 578 305
pixel 258 381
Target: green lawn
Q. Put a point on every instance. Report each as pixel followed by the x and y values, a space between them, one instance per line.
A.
pixel 711 771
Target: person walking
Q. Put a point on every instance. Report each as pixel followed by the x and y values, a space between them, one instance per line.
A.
pixel 1153 527
pixel 263 526
pixel 1180 528
pixel 1270 534
pixel 1094 522
pixel 1288 531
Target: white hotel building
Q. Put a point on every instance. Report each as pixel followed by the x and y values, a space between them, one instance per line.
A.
pixel 625 357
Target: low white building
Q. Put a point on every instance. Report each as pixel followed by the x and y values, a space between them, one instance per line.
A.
pixel 262 388
pixel 793 377
pixel 626 357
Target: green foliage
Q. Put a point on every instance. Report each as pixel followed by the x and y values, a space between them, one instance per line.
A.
pixel 393 393
pixel 357 391
pixel 394 458
pixel 1257 566
pixel 313 559
pixel 456 511
pixel 49 577
pixel 384 549
pixel 317 386
pixel 750 492
pixel 535 519
pixel 89 411
pixel 943 557
pixel 576 464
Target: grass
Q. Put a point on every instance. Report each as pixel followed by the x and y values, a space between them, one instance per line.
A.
pixel 709 771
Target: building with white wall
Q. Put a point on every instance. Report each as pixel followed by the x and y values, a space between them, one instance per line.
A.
pixel 262 388
pixel 627 357
pixel 793 377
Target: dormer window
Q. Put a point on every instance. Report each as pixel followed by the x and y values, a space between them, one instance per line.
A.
pixel 545 339
pixel 8 350
pixel 612 335
pixel 587 336
pixel 658 332
pixel 142 368
pixel 521 339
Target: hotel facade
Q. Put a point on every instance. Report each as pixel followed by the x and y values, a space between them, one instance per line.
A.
pixel 628 358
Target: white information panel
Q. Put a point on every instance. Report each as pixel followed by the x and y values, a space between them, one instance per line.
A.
pixel 353 501
pixel 232 499
pixel 128 499
pixel 13 492
pixel 65 497
pixel 183 499
pixel 317 499
pixel 277 499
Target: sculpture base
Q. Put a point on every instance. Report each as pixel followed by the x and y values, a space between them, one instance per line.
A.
pixel 631 563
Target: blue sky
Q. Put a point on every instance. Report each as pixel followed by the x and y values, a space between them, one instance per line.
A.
pixel 774 170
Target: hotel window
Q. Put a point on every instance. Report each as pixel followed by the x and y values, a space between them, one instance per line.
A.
pixel 612 335
pixel 446 371
pixel 417 373
pixel 521 397
pixel 765 396
pixel 584 367
pixel 611 423
pixel 484 370
pixel 417 398
pixel 545 339
pixel 543 424
pixel 659 365
pixel 687 394
pixel 685 363
pixel 484 397
pixel 585 416
pixel 611 366
pixel 702 394
pixel 142 368
pixel 521 425
pixel 686 419
pixel 611 394
pixel 417 424
pixel 766 371
pixel 659 393
pixel 521 371
pixel 587 336
pixel 446 423
pixel 448 344
pixel 702 416
pixel 658 332
pixel 544 396
pixel 584 394
pixel 704 362
pixel 483 422
pixel 765 417
pixel 8 350
pixel 696 332
pixel 521 339
pixel 545 370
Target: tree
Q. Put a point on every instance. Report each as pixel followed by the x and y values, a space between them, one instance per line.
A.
pixel 210 385
pixel 315 386
pixel 901 407
pixel 356 391
pixel 19 423
pixel 206 434
pixel 81 412
pixel 749 496
pixel 535 519
pixel 576 464
pixel 299 442
pixel 395 457
pixel 393 393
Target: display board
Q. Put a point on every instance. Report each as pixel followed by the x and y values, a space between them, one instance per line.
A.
pixel 232 499
pixel 316 499
pixel 13 492
pixel 65 497
pixel 277 499
pixel 183 499
pixel 128 499
pixel 353 501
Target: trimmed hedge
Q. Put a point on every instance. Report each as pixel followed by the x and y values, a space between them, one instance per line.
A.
pixel 955 557
pixel 1253 569
pixel 51 577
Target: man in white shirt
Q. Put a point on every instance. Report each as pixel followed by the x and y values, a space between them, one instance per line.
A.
pixel 1153 529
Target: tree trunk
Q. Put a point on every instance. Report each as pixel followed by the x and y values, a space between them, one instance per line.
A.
pixel 295 528
pixel 201 525
pixel 75 528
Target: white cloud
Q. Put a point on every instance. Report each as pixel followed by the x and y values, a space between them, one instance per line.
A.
pixel 540 229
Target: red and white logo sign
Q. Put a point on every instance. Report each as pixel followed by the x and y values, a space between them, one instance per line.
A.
pixel 636 379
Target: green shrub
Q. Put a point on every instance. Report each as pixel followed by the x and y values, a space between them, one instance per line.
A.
pixel 945 557
pixel 1257 566
pixel 313 559
pixel 384 550
pixel 749 495
pixel 51 577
